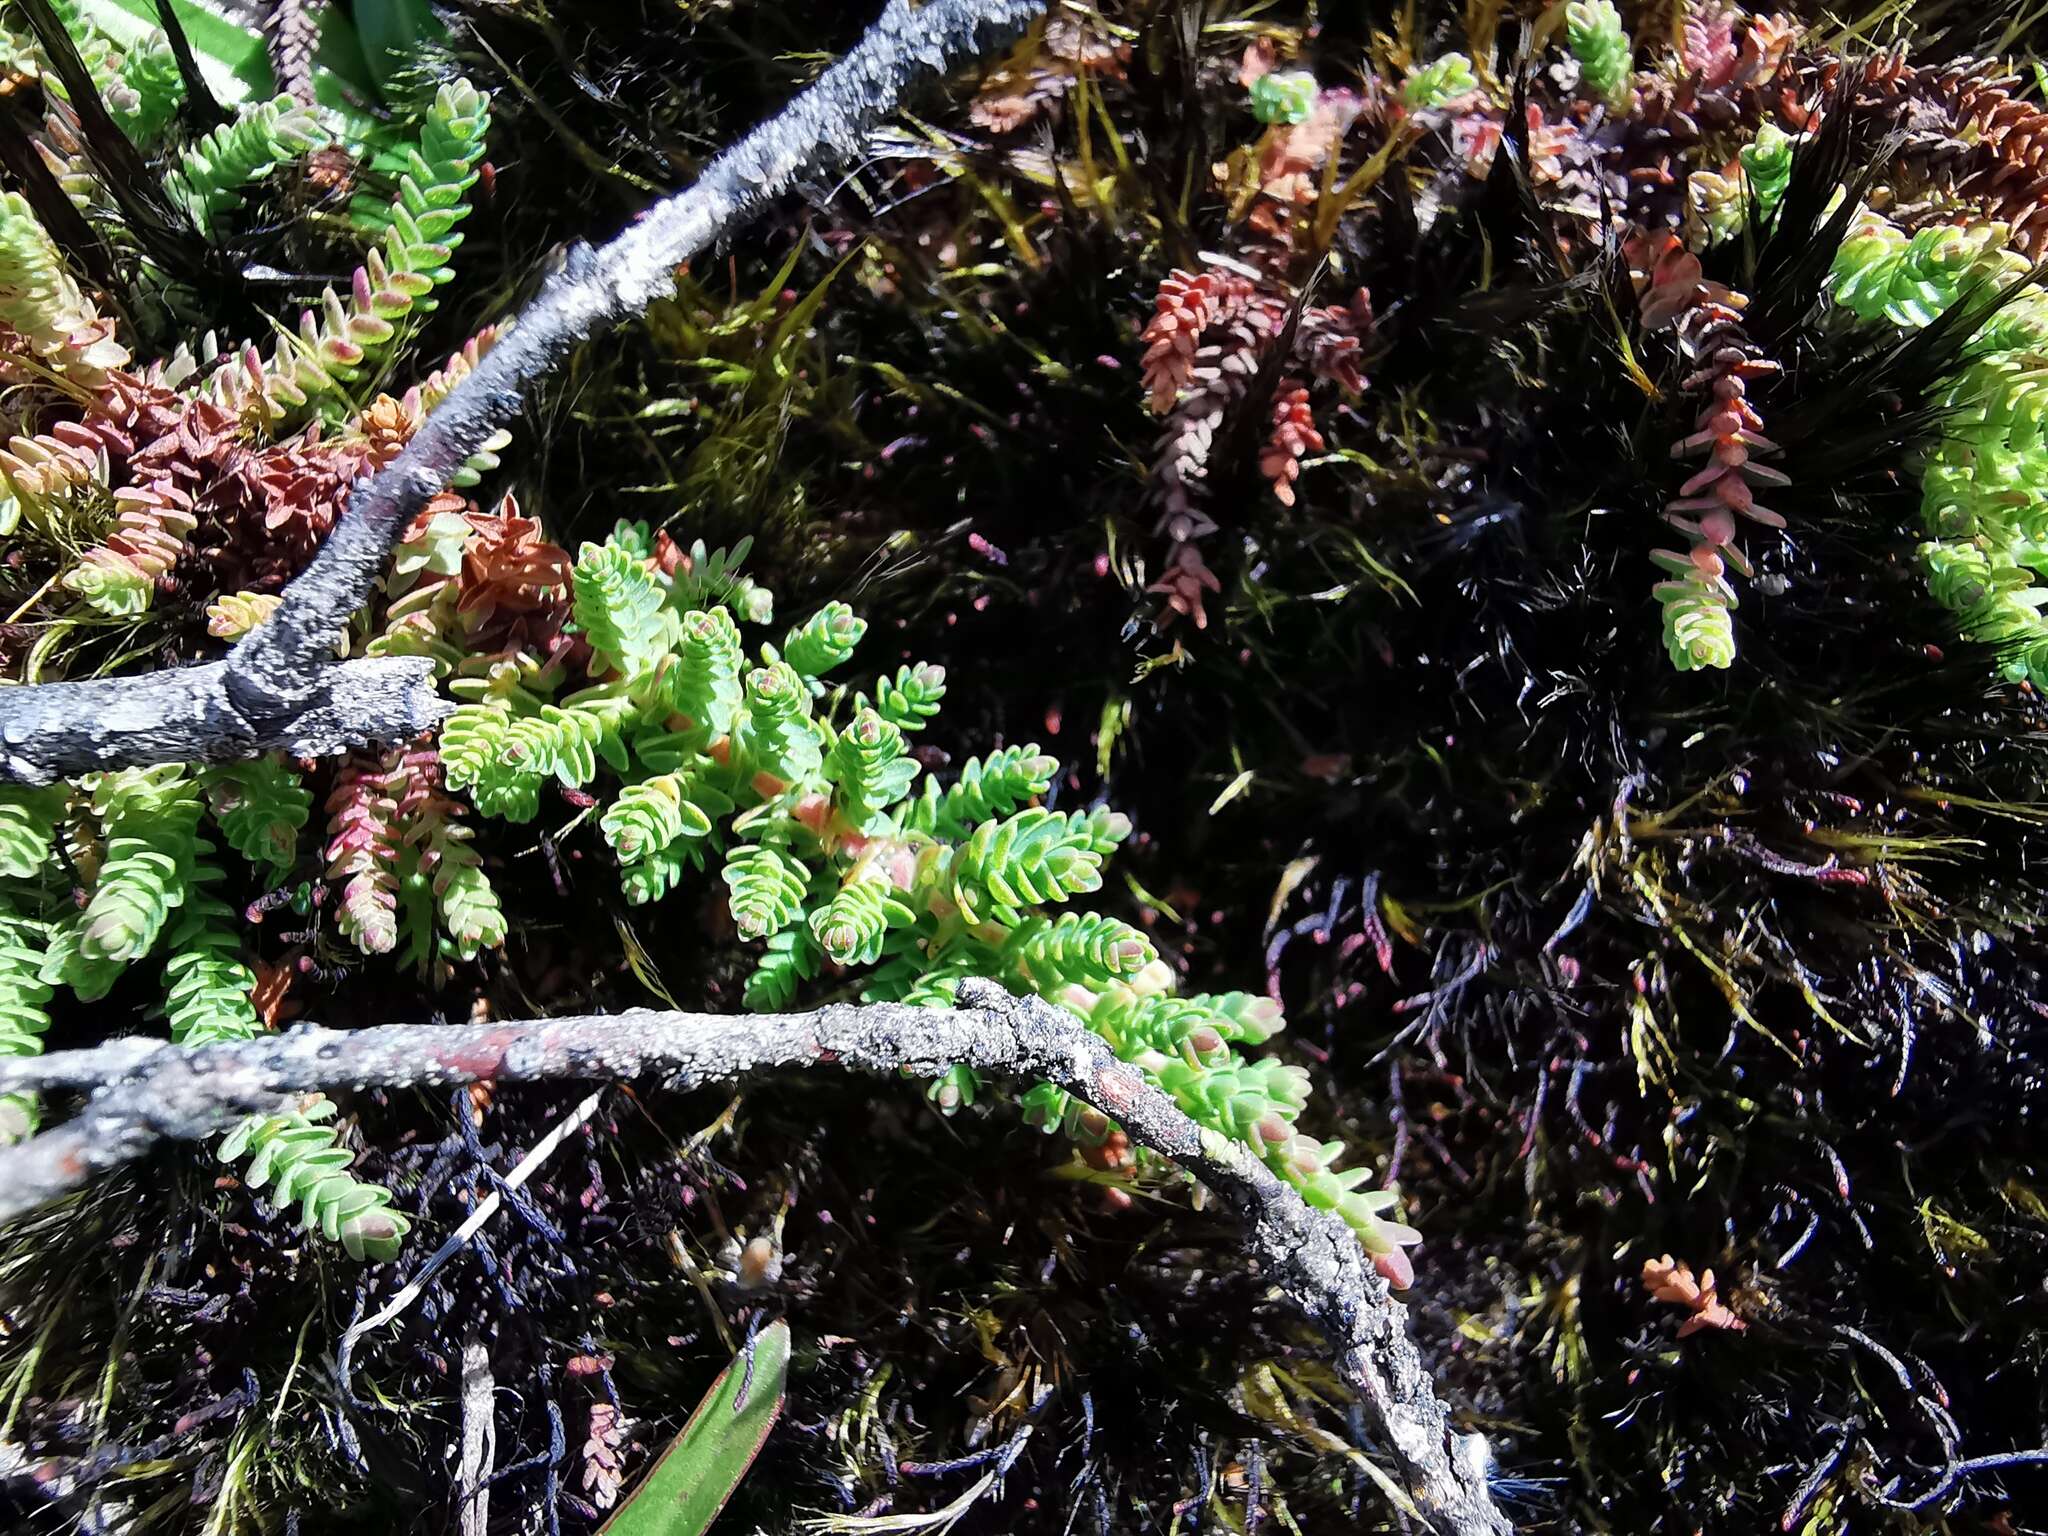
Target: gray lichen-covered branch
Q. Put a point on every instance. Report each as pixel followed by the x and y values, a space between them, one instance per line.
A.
pixel 189 715
pixel 283 671
pixel 148 1092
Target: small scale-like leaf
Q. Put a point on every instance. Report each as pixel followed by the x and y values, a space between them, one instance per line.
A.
pixel 702 1466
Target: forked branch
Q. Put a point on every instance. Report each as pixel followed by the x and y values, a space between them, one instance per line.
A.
pixel 284 669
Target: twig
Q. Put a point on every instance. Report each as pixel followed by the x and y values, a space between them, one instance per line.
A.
pixel 281 669
pixel 1952 1477
pixel 187 715
pixel 163 1092
pixel 938 1521
pixel 479 1436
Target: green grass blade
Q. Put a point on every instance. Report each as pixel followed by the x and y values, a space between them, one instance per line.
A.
pixel 704 1464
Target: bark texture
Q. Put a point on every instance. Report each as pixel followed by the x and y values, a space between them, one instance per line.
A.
pixel 189 714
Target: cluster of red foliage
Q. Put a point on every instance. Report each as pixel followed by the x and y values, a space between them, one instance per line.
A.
pixel 383 806
pixel 133 437
pixel 188 487
pixel 1287 167
pixel 154 515
pixel 1982 151
pixel 1188 303
pixel 1586 164
pixel 505 588
pixel 1214 332
pixel 515 583
pixel 1672 1282
pixel 1294 436
pixel 1736 77
pixel 1717 57
pixel 1707 317
pixel 1211 334
pixel 1549 145
pixel 603 1455
pixel 1043 69
pixel 362 852
pixel 200 505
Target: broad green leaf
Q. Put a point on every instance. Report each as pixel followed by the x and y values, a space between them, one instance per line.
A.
pixel 698 1472
pixel 236 64
pixel 232 59
pixel 394 32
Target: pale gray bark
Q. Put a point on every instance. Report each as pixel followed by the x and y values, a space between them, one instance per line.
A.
pixel 479 1437
pixel 284 669
pixel 152 1092
pixel 188 715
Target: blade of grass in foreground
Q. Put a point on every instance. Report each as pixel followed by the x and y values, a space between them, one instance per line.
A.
pixel 704 1464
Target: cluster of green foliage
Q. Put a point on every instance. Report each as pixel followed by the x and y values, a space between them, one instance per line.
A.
pixel 1984 483
pixel 803 797
pixel 430 154
pixel 1767 169
pixel 326 367
pixel 333 351
pixel 1444 80
pixel 298 1157
pixel 1601 45
pixel 41 303
pixel 1594 33
pixel 216 171
pixel 111 871
pixel 1283 96
pixel 139 830
pixel 139 84
pixel 153 893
